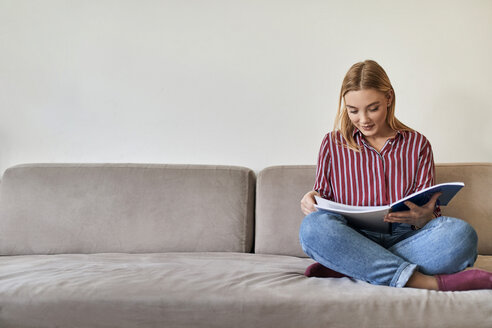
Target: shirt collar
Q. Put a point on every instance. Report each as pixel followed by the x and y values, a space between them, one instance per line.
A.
pixel 361 138
pixel 357 131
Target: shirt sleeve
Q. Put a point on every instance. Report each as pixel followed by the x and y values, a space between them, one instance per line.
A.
pixel 322 183
pixel 426 171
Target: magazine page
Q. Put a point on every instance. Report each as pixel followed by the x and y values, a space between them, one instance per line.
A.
pixel 328 204
pixel 362 217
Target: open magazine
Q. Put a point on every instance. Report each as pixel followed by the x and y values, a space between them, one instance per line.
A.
pixel 371 217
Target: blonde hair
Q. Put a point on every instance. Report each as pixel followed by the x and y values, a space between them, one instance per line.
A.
pixel 365 75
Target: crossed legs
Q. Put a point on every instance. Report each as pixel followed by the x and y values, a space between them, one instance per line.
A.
pixel 443 247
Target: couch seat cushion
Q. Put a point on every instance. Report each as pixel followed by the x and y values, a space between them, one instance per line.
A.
pixel 213 290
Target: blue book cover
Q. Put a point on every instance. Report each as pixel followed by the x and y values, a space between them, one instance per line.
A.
pixel 423 196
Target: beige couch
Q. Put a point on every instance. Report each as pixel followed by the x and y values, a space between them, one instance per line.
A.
pixel 125 245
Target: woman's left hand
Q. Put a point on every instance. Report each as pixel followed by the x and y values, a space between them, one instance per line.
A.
pixel 418 216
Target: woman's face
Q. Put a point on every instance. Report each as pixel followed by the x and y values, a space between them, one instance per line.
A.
pixel 367 109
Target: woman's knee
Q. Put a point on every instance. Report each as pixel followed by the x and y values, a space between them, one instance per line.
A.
pixel 462 233
pixel 309 226
pixel 458 248
pixel 316 226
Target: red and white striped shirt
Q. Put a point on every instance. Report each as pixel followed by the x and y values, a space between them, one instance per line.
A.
pixel 404 165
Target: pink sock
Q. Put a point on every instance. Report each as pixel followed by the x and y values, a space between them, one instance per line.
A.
pixel 318 270
pixel 465 280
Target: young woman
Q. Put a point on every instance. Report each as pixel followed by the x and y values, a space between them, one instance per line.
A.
pixel 373 159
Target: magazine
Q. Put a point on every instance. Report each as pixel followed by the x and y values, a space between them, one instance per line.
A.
pixel 371 217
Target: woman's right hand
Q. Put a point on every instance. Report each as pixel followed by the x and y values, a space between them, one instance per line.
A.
pixel 308 201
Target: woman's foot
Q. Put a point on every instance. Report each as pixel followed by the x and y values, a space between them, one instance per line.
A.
pixel 465 280
pixel 320 271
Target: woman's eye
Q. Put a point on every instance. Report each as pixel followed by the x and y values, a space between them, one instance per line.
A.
pixel 352 111
pixel 374 109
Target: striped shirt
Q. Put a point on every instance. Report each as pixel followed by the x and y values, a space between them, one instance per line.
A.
pixel 404 165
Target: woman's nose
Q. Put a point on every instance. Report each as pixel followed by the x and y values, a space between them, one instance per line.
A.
pixel 363 117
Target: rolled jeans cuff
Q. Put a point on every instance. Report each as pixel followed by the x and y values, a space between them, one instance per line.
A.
pixel 404 272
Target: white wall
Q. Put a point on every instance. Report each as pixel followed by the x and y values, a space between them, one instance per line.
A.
pixel 251 83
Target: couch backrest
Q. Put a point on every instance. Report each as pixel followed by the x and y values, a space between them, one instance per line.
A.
pixel 92 208
pixel 280 189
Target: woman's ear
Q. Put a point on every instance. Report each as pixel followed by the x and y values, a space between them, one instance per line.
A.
pixel 389 97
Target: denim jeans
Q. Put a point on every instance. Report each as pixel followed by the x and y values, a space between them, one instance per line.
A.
pixel 444 245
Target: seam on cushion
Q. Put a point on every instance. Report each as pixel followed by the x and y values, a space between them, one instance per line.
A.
pixel 246 232
pixel 459 165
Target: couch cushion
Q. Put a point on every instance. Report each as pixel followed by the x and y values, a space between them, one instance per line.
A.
pixel 213 290
pixel 280 189
pixel 471 204
pixel 91 208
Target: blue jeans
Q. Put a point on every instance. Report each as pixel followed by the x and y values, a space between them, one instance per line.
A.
pixel 444 245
